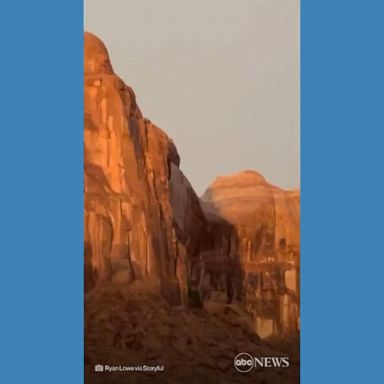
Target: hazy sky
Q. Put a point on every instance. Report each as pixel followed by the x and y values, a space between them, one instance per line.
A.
pixel 221 77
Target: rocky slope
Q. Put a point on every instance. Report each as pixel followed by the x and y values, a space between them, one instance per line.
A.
pixel 169 276
pixel 133 325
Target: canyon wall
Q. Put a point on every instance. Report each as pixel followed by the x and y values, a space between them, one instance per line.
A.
pixel 135 227
pixel 144 222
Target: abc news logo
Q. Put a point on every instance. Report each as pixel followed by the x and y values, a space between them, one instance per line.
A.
pixel 244 362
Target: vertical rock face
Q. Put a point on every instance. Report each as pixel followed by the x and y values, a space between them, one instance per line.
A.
pixel 133 229
pixel 143 220
pixel 253 249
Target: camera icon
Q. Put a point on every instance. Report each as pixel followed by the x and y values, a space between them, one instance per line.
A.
pixel 99 368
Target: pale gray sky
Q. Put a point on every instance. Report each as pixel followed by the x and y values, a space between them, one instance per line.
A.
pixel 221 77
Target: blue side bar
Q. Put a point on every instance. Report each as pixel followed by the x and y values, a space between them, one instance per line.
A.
pixel 41 192
pixel 342 205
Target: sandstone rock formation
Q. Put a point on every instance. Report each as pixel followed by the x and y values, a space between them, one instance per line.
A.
pixel 135 226
pixel 253 252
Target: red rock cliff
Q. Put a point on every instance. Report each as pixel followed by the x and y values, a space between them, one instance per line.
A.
pixel 135 227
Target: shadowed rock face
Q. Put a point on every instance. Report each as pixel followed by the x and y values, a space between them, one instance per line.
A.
pixel 254 249
pixel 134 228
